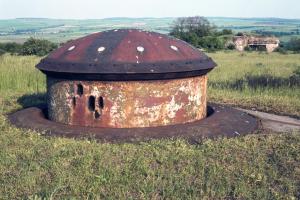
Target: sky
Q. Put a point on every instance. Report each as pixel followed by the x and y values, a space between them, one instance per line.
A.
pixel 97 9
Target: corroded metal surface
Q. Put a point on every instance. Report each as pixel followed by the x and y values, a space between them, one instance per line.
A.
pixel 126 55
pixel 127 104
pixel 222 121
pixel 126 79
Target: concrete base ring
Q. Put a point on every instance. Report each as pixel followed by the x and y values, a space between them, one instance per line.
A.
pixel 222 121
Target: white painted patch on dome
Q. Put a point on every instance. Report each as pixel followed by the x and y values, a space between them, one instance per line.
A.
pixel 174 48
pixel 101 49
pixel 71 48
pixel 140 49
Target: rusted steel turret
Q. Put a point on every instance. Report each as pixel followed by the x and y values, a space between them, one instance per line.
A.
pixel 126 79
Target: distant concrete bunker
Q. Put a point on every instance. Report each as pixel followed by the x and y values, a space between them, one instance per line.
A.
pixel 270 44
pixel 126 79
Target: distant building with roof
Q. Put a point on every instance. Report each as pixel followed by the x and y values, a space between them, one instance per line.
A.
pixel 256 42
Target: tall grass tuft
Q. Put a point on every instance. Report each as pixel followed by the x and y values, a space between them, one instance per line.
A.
pixel 18 74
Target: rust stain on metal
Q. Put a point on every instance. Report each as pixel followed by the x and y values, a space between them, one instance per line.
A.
pixel 126 79
pixel 126 55
pixel 127 104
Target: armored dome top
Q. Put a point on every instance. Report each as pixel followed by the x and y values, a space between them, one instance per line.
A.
pixel 126 54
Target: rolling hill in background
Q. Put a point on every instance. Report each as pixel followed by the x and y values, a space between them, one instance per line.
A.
pixel 61 30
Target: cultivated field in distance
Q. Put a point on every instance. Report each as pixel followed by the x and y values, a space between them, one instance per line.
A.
pixel 58 30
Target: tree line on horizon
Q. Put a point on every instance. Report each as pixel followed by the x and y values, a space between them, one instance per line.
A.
pixel 197 31
pixel 32 46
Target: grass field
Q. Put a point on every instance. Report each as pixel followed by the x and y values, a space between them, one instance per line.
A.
pixel 266 82
pixel 263 166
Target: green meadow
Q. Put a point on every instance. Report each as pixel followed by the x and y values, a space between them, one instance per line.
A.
pixel 261 166
pixel 266 82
